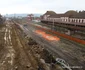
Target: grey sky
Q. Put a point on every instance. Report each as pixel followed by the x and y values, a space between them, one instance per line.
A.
pixel 40 6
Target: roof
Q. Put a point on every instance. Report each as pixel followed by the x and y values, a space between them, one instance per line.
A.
pixel 50 13
pixel 80 15
pixel 54 15
pixel 70 14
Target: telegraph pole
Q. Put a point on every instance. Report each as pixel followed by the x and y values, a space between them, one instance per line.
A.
pixel 53 24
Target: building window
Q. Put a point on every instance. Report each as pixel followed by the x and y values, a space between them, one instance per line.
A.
pixel 82 20
pixel 76 20
pixel 79 20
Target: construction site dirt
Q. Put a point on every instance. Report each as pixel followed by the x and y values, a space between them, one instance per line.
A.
pixel 20 52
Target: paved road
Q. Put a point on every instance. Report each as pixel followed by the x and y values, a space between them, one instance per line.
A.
pixel 72 54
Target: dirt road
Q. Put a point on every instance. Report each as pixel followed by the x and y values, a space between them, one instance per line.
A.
pixel 13 56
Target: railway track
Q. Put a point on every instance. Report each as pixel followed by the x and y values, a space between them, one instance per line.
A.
pixel 61 34
pixel 64 49
pixel 63 39
pixel 27 33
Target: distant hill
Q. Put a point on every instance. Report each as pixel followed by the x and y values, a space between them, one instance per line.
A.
pixel 21 15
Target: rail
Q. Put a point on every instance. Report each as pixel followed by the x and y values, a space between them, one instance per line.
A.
pixel 63 35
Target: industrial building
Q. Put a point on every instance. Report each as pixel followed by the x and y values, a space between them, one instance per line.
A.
pixel 73 21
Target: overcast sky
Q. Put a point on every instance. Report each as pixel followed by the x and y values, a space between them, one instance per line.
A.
pixel 40 6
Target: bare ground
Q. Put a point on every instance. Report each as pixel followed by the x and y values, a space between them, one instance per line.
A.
pixel 17 54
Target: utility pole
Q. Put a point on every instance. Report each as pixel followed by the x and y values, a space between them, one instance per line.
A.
pixel 53 24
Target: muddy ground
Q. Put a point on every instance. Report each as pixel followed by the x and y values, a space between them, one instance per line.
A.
pixel 20 52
